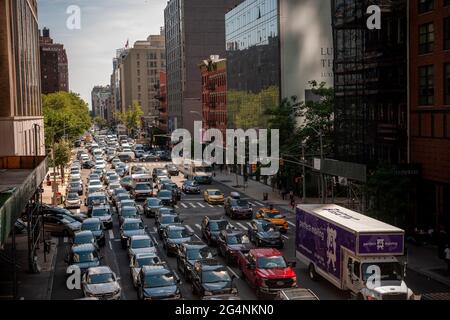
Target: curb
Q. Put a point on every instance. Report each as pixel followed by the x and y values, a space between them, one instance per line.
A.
pixel 430 275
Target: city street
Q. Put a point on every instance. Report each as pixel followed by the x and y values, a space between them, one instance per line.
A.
pixel 192 209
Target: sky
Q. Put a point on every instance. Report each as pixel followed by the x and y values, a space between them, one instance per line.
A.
pixel 105 25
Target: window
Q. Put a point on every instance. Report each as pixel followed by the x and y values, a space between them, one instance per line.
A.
pixel 426 85
pixel 447 33
pixel 447 84
pixel 426 6
pixel 426 38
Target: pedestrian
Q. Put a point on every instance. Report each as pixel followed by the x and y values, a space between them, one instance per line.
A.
pixel 292 199
pixel 447 257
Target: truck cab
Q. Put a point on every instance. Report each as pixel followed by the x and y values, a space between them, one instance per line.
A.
pixel 267 271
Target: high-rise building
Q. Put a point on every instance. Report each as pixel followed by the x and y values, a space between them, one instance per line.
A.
pixel 162 97
pixel 274 48
pixel 195 29
pixel 370 83
pixel 101 101
pixel 21 120
pixel 116 87
pixel 139 76
pixel 430 108
pixel 54 64
pixel 214 94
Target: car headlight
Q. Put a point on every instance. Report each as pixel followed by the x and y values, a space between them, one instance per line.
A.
pixel 208 293
pixel 234 291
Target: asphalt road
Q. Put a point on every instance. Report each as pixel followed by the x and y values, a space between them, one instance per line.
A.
pixel 192 209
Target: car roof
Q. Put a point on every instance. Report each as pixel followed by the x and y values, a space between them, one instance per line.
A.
pixel 195 245
pixel 131 220
pixel 141 237
pixel 97 194
pixel 92 220
pixel 213 190
pixel 84 233
pixel 232 232
pixel 175 227
pixel 99 270
pixel 156 269
pixel 88 247
pixel 266 252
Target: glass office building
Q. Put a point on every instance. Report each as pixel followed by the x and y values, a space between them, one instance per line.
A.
pixel 253 55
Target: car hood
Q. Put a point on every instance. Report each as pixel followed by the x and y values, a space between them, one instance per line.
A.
pixel 142 250
pixel 390 287
pixel 103 288
pixel 275 273
pixel 277 222
pixel 129 233
pixel 143 191
pixel 105 218
pixel 274 235
pixel 179 241
pixel 240 247
pixel 87 265
pixel 161 292
pixel 76 225
pixel 217 286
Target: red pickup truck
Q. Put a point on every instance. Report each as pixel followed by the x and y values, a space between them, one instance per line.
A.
pixel 267 271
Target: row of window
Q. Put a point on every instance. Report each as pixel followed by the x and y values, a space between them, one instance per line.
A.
pixel 427 84
pixel 426 6
pixel 427 36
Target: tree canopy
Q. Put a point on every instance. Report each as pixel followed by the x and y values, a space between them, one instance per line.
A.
pixel 132 117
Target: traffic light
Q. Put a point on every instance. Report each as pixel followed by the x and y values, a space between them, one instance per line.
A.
pixel 254 167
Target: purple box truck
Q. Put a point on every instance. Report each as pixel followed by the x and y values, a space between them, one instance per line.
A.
pixel 352 251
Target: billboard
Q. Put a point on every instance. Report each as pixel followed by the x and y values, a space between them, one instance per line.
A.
pixel 306 40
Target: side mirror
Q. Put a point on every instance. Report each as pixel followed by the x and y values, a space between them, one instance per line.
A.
pixel 292 264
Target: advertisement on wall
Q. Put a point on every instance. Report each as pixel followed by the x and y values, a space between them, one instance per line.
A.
pixel 306 46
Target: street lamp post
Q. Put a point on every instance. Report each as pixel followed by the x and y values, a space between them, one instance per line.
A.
pixel 322 182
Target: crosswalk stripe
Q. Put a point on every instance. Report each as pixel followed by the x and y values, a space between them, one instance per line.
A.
pixel 189 228
pixel 259 204
pixel 284 237
pixel 202 206
pixel 183 205
pixel 192 205
pixel 251 203
pixel 155 230
pixel 291 223
pixel 66 239
pixel 241 225
pixel 198 226
pixel 249 224
pixel 234 273
pixel 177 207
pixel 211 205
pixel 110 245
pixel 111 234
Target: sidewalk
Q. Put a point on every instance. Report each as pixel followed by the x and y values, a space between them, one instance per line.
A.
pixel 422 260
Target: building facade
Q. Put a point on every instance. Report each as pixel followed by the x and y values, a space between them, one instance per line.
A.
pixel 54 64
pixel 21 120
pixel 101 101
pixel 370 83
pixel 194 31
pixel 214 94
pixel 162 98
pixel 139 76
pixel 430 107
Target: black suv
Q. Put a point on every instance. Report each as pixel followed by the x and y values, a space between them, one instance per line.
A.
pixel 238 208
pixel 211 228
pixel 157 282
pixel 264 233
pixel 210 278
pixel 189 253
pixel 176 191
pixel 231 243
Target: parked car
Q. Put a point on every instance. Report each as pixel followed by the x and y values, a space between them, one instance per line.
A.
pixel 101 283
pixel 72 201
pixel 211 228
pixel 189 253
pixel 152 206
pixel 96 226
pixel 61 225
pixel 157 283
pixel 210 278
pixel 264 233
pixel 140 260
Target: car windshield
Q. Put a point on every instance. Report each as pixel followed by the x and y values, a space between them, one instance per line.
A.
pixel 164 194
pixel 129 212
pixel 218 225
pixel 153 202
pixel 101 278
pixel 74 185
pixel 100 212
pixel 199 253
pixel 82 257
pixel 93 226
pixel 126 180
pixel 241 203
pixel 133 226
pixel 267 227
pixel 271 263
pixel 215 193
pixel 141 243
pixel 192 184
pixel 203 169
pixel 147 261
pixel 72 196
pixel 159 280
pixel 272 214
pixel 167 219
pixel 142 187
pixel 166 211
pixel 94 200
pixel 113 178
pixel 237 239
pixel 82 239
pixel 95 183
pixel 67 219
pixel 212 276
pixel 178 233
pixel 390 271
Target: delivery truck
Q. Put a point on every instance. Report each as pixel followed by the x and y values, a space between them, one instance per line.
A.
pixel 352 251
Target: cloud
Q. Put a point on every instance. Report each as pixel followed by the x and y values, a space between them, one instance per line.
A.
pixel 105 26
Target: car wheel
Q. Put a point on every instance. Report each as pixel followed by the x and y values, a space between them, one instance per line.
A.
pixel 194 291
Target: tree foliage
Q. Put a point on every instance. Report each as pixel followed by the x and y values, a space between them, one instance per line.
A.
pixel 65 113
pixel 131 118
pixel 100 122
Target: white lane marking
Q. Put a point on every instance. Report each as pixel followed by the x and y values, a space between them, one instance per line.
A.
pixel 183 205
pixel 78 211
pixel 192 205
pixel 249 224
pixel 199 204
pixel 197 237
pixel 251 203
pixel 66 239
pixel 259 204
pixel 155 230
pixel 110 245
pixel 111 234
pixel 198 226
pixel 241 225
pixel 234 273
pixel 210 205
pixel 231 226
pixel 189 228
pixel 284 237
pixel 177 207
pixel 292 224
pixel 154 240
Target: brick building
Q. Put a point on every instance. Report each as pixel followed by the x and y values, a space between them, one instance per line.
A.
pixel 214 93
pixel 54 64
pixel 162 97
pixel 430 107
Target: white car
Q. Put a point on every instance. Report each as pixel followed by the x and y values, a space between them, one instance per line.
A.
pixel 100 165
pixel 102 283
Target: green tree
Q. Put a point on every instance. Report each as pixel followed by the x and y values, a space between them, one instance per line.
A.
pixel 100 122
pixel 62 154
pixel 66 115
pixel 131 118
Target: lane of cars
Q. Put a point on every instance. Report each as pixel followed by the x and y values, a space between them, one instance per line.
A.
pixel 115 189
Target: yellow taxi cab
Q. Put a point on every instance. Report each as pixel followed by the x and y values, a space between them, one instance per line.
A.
pixel 213 196
pixel 274 216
